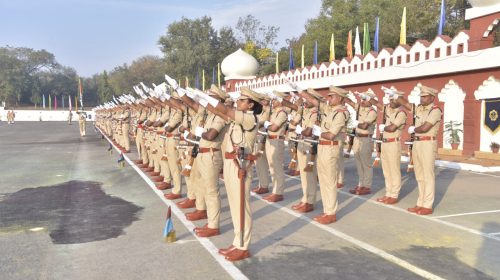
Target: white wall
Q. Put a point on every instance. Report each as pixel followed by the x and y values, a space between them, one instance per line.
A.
pixel 35 115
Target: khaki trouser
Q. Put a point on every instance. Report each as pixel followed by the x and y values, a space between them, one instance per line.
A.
pixel 340 178
pixel 275 153
pixel 391 166
pixel 173 156
pixel 206 170
pixel 82 128
pixel 150 149
pixel 308 180
pixel 164 169
pixel 328 158
pixel 424 156
pixel 190 188
pixel 262 169
pixel 232 183
pixel 362 149
pixel 125 136
pixel 139 141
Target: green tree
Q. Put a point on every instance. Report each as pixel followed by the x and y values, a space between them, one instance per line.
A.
pixel 104 89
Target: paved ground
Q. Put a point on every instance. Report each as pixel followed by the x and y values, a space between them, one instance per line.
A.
pixel 68 211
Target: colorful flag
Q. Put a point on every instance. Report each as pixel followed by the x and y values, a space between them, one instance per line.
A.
pixel 277 63
pixel 315 58
pixel 43 100
pixel 197 79
pixel 349 44
pixel 76 104
pixel 291 63
pixel 213 75
pixel 55 102
pixel 218 74
pixel 186 82
pixel 332 48
pixel 168 230
pixel 442 18
pixel 69 101
pixel 302 58
pixel 80 91
pixel 203 79
pixel 50 103
pixel 375 40
pixel 357 43
pixel 121 158
pixel 402 35
pixel 366 39
pixel 62 99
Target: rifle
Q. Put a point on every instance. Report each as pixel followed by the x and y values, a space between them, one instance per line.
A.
pixel 314 145
pixel 378 144
pixel 351 137
pixel 293 162
pixel 410 143
pixel 194 152
pixel 242 173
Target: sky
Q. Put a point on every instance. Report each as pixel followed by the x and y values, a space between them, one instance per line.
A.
pixel 96 35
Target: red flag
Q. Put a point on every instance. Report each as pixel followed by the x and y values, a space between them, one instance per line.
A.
pixel 55 102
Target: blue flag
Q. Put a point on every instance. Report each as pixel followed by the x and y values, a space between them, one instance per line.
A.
pixel 291 64
pixel 375 40
pixel 121 158
pixel 197 80
pixel 315 52
pixel 169 226
pixel 213 76
pixel 43 100
pixel 442 18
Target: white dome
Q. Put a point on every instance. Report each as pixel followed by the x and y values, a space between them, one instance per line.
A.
pixel 239 65
pixel 483 3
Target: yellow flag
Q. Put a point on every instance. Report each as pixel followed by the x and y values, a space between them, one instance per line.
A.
pixel 332 48
pixel 218 74
pixel 187 82
pixel 302 58
pixel 402 36
pixel 76 104
pixel 203 79
pixel 277 63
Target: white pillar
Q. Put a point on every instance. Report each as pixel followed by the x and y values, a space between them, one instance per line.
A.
pixel 453 97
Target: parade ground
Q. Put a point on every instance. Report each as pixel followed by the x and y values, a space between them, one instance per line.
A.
pixel 68 210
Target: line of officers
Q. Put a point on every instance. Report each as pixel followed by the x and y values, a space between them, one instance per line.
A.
pixel 205 136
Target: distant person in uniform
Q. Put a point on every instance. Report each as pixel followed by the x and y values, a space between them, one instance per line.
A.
pixel 82 123
pixel 70 117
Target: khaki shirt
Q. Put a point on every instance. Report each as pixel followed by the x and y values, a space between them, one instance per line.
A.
pixel 152 115
pixel 213 122
pixel 366 115
pixel 144 115
pixel 397 117
pixel 278 117
pixel 175 118
pixel 431 114
pixel 241 132
pixel 264 115
pixel 335 122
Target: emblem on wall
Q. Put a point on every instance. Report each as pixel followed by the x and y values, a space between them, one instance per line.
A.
pixel 491 119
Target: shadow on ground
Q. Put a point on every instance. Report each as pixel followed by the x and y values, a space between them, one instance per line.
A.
pixel 73 212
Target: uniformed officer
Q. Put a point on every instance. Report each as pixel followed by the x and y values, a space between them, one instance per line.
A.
pixel 261 164
pixel 395 120
pixel 82 122
pixel 363 145
pixel 70 117
pixel 238 157
pixel 428 118
pixel 275 146
pixel 331 134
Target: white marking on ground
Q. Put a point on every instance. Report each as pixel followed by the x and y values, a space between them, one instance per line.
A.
pixel 228 266
pixel 470 230
pixel 59 175
pixel 372 249
pixel 35 229
pixel 465 214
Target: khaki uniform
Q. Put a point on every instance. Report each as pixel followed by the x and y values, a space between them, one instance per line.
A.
pixel 328 156
pixel 296 117
pixel 161 147
pixel 125 129
pixel 275 149
pixel 363 145
pixel 206 168
pixel 241 133
pixel 171 143
pixel 139 136
pixel 424 154
pixel 390 155
pixel 82 123
pixel 150 139
pixel 308 180
pixel 261 164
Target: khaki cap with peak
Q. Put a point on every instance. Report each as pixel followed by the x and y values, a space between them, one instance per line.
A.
pixel 339 91
pixel 424 91
pixel 247 93
pixel 314 93
pixel 219 92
